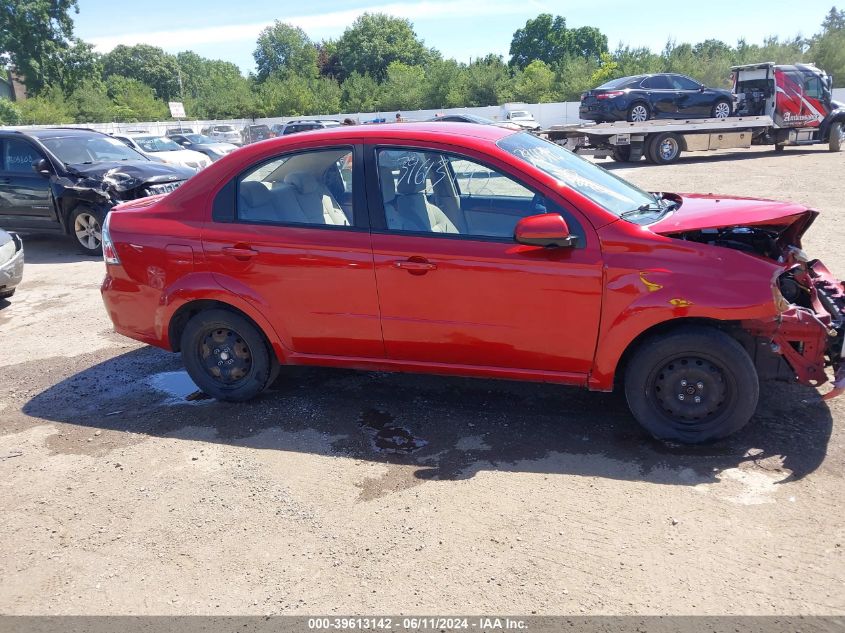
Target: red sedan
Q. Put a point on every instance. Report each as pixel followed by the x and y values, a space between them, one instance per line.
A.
pixel 478 251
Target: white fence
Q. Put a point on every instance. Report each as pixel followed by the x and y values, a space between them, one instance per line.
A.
pixel 546 114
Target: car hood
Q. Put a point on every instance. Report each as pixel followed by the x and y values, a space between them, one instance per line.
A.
pixel 216 147
pixel 698 212
pixel 142 171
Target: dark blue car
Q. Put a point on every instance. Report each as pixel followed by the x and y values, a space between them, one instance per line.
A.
pixel 664 95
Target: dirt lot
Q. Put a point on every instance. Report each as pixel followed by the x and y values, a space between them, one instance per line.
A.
pixel 119 496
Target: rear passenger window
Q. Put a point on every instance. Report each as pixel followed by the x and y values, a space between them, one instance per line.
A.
pixel 18 156
pixel 313 188
pixel 658 82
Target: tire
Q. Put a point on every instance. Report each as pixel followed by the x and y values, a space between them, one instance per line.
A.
pixel 693 362
pixel 86 230
pixel 227 356
pixel 721 109
pixel 779 149
pixel 638 111
pixel 6 294
pixel 837 137
pixel 649 140
pixel 664 148
pixel 622 153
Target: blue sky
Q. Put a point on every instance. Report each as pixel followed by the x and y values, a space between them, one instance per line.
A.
pixel 461 29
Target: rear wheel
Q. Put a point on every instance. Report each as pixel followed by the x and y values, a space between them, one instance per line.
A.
pixel 664 148
pixel 639 112
pixel 837 137
pixel 227 356
pixel 779 148
pixel 86 229
pixel 692 385
pixel 721 109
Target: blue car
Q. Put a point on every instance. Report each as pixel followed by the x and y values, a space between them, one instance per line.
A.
pixel 663 95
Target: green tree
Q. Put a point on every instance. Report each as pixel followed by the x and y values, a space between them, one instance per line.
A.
pixel 32 35
pixel 148 64
pixel 827 48
pixel 834 20
pixel 361 93
pixel 403 89
pixel 295 95
pixel 488 82
pixel 214 89
pixel 48 108
pixel 135 101
pixel 90 103
pixel 9 113
pixel 606 71
pixel 536 84
pixel 285 50
pixel 445 85
pixel 547 39
pixel 576 75
pixel 376 40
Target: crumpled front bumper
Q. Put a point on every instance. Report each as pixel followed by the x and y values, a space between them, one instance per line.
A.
pixel 11 271
pixel 809 338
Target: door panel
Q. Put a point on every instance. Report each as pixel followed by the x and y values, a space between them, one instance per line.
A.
pixel 24 194
pixel 488 303
pixel 462 291
pixel 307 260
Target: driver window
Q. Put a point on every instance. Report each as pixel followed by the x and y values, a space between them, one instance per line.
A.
pixel 18 156
pixel 813 87
pixel 440 193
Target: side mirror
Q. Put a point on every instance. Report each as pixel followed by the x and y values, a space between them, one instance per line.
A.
pixel 42 167
pixel 549 230
pixel 702 88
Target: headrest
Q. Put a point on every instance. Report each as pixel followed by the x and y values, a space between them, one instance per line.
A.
pixel 302 181
pixel 410 181
pixel 255 194
pixel 388 186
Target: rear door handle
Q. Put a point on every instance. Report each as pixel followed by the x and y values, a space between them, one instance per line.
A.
pixel 239 252
pixel 417 266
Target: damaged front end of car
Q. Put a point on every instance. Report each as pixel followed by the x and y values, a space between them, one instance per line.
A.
pixel 805 334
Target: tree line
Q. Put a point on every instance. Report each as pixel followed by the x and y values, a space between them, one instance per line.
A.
pixel 379 63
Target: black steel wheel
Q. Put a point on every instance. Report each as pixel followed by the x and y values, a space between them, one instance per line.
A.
pixel 692 385
pixel 227 356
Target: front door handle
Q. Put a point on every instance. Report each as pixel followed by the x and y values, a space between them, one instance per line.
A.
pixel 239 252
pixel 417 266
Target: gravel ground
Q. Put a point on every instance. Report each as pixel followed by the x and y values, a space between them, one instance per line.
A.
pixel 118 495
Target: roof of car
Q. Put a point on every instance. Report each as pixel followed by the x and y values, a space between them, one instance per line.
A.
pixel 425 130
pixel 47 132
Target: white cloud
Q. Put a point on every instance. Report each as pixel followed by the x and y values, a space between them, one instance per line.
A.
pixel 317 25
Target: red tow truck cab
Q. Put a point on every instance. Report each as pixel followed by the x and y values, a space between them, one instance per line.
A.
pixel 798 98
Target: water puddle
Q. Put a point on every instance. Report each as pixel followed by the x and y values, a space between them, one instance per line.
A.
pixel 388 437
pixel 179 388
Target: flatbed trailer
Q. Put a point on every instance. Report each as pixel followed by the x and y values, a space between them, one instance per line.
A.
pixel 662 141
pixel 777 105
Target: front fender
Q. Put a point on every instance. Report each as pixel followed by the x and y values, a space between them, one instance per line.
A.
pixel 692 282
pixel 836 116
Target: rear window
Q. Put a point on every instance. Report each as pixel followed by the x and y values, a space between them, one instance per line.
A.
pixel 658 82
pixel 621 82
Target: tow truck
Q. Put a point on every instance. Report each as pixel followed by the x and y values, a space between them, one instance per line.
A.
pixel 777 105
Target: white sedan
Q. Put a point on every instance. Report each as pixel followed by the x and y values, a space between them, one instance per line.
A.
pixel 165 150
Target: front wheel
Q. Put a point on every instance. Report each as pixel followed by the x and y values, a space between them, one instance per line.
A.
pixel 86 229
pixel 227 356
pixel 692 385
pixel 837 137
pixel 721 109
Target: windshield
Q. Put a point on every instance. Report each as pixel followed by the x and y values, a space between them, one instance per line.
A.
pixel 520 114
pixel 198 138
pixel 224 128
pixel 157 144
pixel 599 185
pixel 85 150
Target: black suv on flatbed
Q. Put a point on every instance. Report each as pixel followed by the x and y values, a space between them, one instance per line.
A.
pixel 65 180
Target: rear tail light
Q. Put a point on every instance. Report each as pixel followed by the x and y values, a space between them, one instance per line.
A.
pixel 610 95
pixel 109 252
